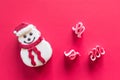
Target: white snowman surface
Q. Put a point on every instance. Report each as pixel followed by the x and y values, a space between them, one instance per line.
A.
pixel 29 35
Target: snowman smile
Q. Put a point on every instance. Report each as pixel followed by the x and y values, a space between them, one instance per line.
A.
pixel 30 41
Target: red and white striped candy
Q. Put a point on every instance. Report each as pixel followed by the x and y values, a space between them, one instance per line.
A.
pixel 79 29
pixel 72 54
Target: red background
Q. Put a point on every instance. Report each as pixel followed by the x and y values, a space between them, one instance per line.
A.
pixel 54 18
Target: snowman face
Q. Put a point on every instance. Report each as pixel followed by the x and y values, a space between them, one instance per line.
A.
pixel 29 37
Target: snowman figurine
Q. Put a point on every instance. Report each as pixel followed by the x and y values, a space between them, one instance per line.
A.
pixel 35 50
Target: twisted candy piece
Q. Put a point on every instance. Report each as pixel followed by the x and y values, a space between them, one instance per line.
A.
pixel 96 53
pixel 72 54
pixel 79 29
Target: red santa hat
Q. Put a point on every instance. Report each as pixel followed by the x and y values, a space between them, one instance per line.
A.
pixel 23 28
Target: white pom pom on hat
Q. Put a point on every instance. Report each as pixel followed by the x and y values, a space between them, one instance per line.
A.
pixel 23 28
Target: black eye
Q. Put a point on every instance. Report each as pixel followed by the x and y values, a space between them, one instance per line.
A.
pixel 24 36
pixel 31 34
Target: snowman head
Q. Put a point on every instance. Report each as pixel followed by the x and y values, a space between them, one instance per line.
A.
pixel 27 33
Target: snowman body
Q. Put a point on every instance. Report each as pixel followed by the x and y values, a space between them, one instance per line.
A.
pixel 46 53
pixel 30 35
